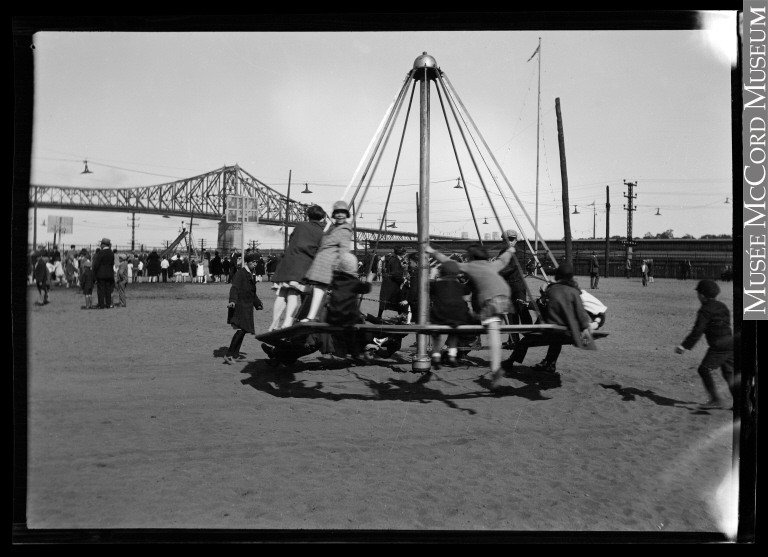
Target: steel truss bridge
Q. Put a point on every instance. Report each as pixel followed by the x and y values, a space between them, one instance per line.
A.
pixel 203 196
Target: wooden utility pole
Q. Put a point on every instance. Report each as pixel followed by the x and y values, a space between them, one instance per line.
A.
pixel 34 224
pixel 564 179
pixel 607 228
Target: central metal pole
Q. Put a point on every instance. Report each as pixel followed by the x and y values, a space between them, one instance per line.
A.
pixel 426 69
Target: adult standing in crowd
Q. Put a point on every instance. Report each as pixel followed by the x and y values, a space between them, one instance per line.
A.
pixel 225 265
pixel 628 268
pixel 207 267
pixel 177 265
pixel 103 270
pixel 184 268
pixel 271 266
pixel 135 268
pixel 594 271
pixel 289 275
pixel 216 270
pixel 164 268
pixel 193 269
pixel 334 243
pixel 650 270
pixel 392 279
pixel 375 267
pixel 242 300
pixel 153 266
pixel 260 268
pixel 143 271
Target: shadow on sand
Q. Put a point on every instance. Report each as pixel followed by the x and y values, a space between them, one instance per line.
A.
pixel 282 383
pixel 629 394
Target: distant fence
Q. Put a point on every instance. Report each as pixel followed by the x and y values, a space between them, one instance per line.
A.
pixel 709 266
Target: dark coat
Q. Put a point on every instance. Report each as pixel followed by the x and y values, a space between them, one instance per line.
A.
pixel 103 265
pixel 243 294
pixel 215 267
pixel 448 304
pixel 87 280
pixel 594 264
pixel 41 272
pixel 302 248
pixel 392 278
pixel 153 264
pixel 564 307
pixel 225 267
pixel 714 322
pixel 512 275
pixel 260 267
pixel 342 306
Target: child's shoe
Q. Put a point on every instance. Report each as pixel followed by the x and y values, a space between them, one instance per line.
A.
pixel 714 402
pixel 436 361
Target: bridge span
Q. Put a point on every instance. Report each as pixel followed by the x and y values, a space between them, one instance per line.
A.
pixel 201 197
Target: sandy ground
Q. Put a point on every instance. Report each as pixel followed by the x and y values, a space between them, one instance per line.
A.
pixel 135 422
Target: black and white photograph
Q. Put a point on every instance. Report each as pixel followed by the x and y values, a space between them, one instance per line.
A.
pixel 454 280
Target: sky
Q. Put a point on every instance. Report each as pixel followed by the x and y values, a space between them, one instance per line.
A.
pixel 649 107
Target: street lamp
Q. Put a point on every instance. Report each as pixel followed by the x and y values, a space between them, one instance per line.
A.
pixel 575 210
pixel 306 188
pixel 86 171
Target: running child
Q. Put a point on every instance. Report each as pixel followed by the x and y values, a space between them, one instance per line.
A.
pixel 713 320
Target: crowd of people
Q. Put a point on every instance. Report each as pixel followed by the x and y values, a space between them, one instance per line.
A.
pixel 110 272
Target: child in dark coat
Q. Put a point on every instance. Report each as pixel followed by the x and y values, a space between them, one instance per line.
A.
pixel 448 308
pixel 342 309
pixel 714 322
pixel 42 278
pixel 87 280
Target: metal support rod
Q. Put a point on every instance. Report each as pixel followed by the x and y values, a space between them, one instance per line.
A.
pixel 564 179
pixel 354 230
pixel 461 170
pixel 389 192
pixel 384 137
pixel 538 142
pixel 287 205
pixel 498 167
pixel 607 227
pixel 423 212
pixel 488 196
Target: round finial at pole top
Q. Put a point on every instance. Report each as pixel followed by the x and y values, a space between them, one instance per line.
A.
pixel 425 61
